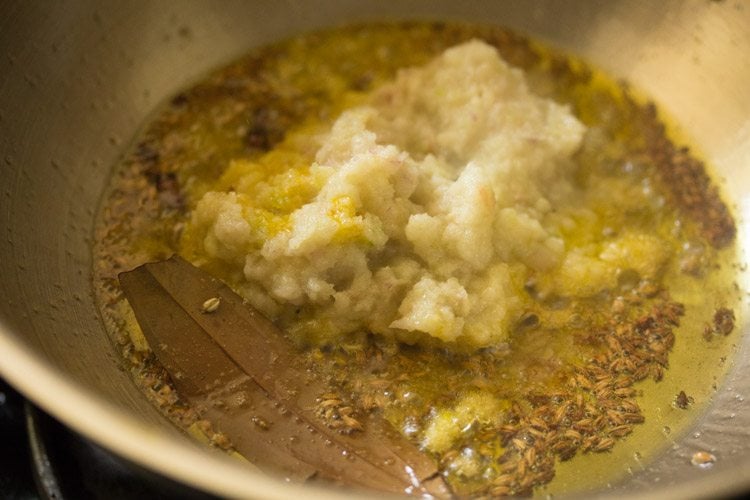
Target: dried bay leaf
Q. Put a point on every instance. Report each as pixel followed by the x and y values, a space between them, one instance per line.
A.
pixel 233 354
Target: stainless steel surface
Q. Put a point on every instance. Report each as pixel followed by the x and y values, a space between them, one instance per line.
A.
pixel 77 79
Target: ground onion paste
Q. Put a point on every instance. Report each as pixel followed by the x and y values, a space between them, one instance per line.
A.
pixel 433 201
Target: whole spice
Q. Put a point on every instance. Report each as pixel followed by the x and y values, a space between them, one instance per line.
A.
pixel 682 400
pixel 211 305
pixel 703 459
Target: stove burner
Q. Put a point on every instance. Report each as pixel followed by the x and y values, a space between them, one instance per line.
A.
pixel 16 479
pixel 42 459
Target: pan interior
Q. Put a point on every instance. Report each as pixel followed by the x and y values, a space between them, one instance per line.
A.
pixel 85 78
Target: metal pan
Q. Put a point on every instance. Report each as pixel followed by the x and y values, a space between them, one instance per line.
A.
pixel 77 79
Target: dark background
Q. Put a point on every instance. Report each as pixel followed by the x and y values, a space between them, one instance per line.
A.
pixel 67 466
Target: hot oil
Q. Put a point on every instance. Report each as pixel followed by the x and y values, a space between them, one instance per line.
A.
pixel 249 108
pixel 696 367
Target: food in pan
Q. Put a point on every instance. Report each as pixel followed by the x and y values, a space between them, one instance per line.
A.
pixel 490 245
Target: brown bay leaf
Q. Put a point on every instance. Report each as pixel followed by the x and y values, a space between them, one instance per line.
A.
pixel 243 375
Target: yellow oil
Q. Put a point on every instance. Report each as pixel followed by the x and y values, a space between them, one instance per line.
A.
pixel 696 367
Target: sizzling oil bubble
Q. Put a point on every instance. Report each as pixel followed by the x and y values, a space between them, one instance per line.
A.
pixel 239 399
